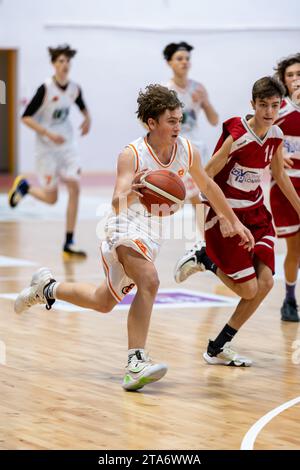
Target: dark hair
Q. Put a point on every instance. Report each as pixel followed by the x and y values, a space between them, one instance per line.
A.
pixel 170 49
pixel 155 101
pixel 283 64
pixel 267 87
pixel 64 49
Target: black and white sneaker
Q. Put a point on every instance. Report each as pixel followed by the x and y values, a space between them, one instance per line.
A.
pixel 225 356
pixel 34 294
pixel 190 262
pixel 289 311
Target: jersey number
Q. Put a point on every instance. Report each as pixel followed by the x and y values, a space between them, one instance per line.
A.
pixel 269 154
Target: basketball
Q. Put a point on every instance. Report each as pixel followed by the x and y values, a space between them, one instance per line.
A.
pixel 164 192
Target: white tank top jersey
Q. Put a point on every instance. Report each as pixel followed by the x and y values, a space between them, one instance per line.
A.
pixel 54 115
pixel 180 159
pixel 137 217
pixel 191 110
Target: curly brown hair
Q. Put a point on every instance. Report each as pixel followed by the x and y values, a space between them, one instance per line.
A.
pixel 283 64
pixel 267 87
pixel 155 101
pixel 64 49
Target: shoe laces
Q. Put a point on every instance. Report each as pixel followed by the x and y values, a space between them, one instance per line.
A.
pixel 135 361
pixel 34 298
pixel 229 352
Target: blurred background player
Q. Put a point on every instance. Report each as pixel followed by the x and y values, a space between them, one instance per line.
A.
pixel 286 219
pixel 56 150
pixel 132 244
pixel 195 98
pixel 244 150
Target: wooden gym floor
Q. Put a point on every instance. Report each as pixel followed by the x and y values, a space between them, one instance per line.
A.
pixel 61 371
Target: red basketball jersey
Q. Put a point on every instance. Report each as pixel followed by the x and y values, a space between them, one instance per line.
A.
pixel 289 123
pixel 240 179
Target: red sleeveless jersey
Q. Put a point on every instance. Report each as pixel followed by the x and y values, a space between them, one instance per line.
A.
pixel 240 179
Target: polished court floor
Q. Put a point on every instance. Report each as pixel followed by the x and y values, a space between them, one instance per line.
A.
pixel 61 370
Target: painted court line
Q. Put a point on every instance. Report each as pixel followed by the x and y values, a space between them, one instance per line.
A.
pixel 251 435
pixel 8 262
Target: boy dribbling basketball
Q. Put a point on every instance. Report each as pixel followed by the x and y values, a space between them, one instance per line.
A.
pixel 130 247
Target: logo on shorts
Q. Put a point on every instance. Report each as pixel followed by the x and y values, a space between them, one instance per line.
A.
pixel 55 98
pixel 127 289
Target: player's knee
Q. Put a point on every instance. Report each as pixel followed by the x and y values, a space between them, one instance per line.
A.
pixel 103 303
pixel 149 282
pixel 104 307
pixel 266 284
pixel 52 198
pixel 249 291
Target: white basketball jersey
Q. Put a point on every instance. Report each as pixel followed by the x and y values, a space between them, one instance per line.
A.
pixel 54 114
pixel 136 222
pixel 181 157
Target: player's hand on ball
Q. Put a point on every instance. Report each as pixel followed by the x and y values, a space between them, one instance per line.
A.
pixel 136 182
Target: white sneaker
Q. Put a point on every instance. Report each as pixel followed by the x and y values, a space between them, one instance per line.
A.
pixel 190 262
pixel 226 357
pixel 35 293
pixel 142 371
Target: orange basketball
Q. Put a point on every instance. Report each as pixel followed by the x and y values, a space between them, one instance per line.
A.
pixel 164 193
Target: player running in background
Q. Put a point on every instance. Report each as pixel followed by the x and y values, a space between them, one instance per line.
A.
pixel 286 218
pixel 195 99
pixel 56 150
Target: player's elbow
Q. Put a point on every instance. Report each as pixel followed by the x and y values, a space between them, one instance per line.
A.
pixel 25 120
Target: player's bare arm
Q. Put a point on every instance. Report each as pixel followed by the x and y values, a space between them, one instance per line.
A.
pixel 219 159
pixel 127 183
pixel 200 96
pixel 283 180
pixel 86 123
pixel 231 225
pixel 33 124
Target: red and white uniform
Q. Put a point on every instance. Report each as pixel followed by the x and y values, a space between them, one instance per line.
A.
pixel 240 181
pixel 135 227
pixel 286 219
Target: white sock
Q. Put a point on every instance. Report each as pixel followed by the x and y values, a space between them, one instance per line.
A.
pixel 50 291
pixel 131 353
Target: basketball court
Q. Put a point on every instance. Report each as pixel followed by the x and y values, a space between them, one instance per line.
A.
pixel 61 370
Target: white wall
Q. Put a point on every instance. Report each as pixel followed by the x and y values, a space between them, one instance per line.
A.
pixel 120 44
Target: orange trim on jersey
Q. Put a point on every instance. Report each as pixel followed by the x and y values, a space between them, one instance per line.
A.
pixel 152 153
pixel 108 277
pixel 136 155
pixel 190 153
